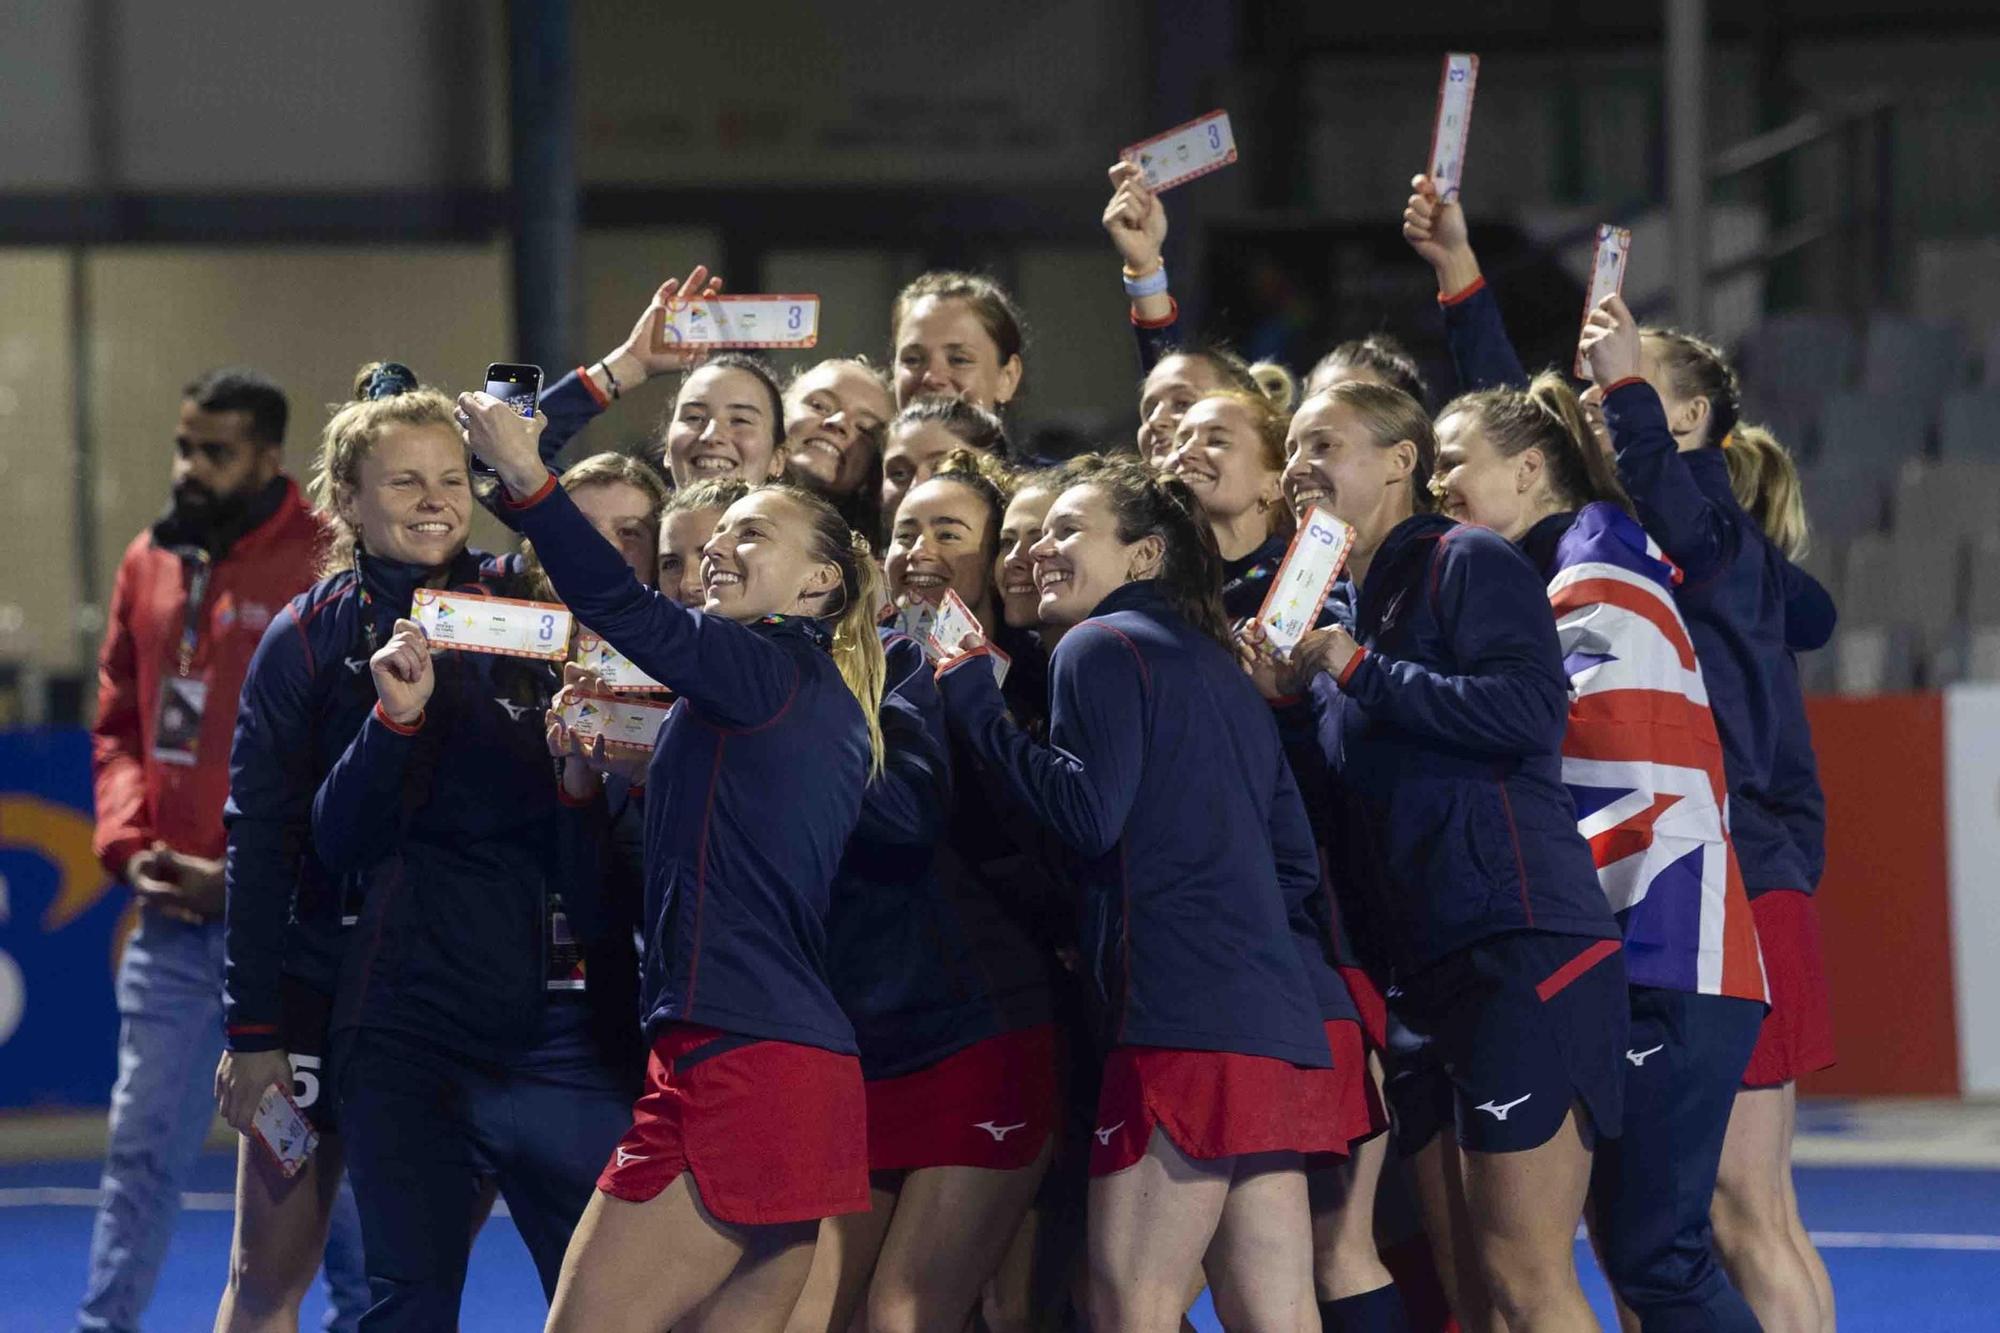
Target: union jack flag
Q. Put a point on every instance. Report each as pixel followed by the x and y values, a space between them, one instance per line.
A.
pixel 1642 761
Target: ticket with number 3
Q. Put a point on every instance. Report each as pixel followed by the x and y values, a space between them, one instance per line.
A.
pixel 1318 551
pixel 503 625
pixel 741 321
pixel 1184 152
pixel 1607 276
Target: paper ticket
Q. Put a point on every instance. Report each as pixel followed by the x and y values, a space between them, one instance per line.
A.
pixel 1312 562
pixel 613 668
pixel 1454 121
pixel 954 621
pixel 284 1131
pixel 481 624
pixel 741 321
pixel 915 620
pixel 620 721
pixel 1184 152
pixel 1607 276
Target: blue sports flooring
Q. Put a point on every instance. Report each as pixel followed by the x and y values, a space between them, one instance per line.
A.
pixel 1915 1250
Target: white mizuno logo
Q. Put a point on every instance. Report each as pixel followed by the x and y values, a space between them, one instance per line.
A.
pixel 1104 1135
pixel 1639 1057
pixel 514 711
pixel 1499 1110
pixel 999 1132
pixel 356 664
pixel 626 1156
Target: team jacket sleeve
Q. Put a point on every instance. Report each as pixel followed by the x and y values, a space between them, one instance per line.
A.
pixel 1481 352
pixel 358 813
pixel 118 766
pixel 569 405
pixel 1292 845
pixel 907 804
pixel 268 817
pixel 1157 339
pixel 1810 615
pixel 1695 534
pixel 1508 695
pixel 1083 782
pixel 731 674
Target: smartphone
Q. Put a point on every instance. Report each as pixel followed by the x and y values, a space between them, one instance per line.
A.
pixel 518 386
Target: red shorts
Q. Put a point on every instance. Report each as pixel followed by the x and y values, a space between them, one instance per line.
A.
pixel 1215 1104
pixel 1368 1002
pixel 1797 1037
pixel 773 1131
pixel 993 1104
pixel 1362 1114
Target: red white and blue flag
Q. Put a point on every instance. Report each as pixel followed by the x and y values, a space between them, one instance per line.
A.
pixel 1643 762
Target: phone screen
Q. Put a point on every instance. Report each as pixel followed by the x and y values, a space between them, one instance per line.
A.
pixel 518 386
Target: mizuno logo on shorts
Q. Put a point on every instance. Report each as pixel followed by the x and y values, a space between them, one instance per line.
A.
pixel 1638 1058
pixel 1104 1135
pixel 625 1156
pixel 356 664
pixel 514 710
pixel 1499 1110
pixel 999 1132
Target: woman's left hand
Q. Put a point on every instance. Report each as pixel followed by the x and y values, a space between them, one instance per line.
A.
pixel 508 442
pixel 1610 342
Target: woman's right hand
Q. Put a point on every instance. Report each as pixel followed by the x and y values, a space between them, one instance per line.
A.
pixel 403 673
pixel 1271 674
pixel 1135 219
pixel 240 1081
pixel 1435 229
pixel 643 354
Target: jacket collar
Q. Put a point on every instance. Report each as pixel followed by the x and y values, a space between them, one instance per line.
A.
pixel 1407 542
pixel 808 628
pixel 1539 542
pixel 1138 595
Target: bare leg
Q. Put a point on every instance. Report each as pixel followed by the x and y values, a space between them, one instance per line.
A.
pixel 763 1291
pixel 1757 1231
pixel 843 1260
pixel 280 1233
pixel 644 1267
pixel 1524 1207
pixel 1260 1262
pixel 1436 1175
pixel 1345 1260
pixel 1149 1227
pixel 948 1236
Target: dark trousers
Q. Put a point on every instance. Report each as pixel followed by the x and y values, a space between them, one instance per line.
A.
pixel 424 1124
pixel 1650 1187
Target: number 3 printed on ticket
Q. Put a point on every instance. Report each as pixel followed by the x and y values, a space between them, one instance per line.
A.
pixel 1185 152
pixel 742 321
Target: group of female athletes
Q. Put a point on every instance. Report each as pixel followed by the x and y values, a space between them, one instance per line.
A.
pixel 1042 978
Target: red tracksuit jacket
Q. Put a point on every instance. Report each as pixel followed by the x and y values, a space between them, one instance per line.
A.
pixel 140 798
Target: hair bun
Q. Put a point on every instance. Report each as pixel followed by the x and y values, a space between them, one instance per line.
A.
pixel 383 379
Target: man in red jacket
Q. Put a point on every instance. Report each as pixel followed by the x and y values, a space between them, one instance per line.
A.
pixel 194 595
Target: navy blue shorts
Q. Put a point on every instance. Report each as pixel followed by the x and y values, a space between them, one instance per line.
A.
pixel 1501 1038
pixel 304 1016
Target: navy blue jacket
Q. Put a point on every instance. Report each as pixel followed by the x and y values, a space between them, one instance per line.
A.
pixel 1246 582
pixel 752 793
pixel 1481 352
pixel 922 957
pixel 447 839
pixel 1733 595
pixel 1163 773
pixel 1443 742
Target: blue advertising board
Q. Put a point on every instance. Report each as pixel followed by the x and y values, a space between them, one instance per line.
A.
pixel 61 923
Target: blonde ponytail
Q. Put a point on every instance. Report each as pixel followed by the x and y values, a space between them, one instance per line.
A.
pixel 1766 483
pixel 1276 384
pixel 857 648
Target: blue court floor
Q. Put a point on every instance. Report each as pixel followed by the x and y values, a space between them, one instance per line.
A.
pixel 1913 1245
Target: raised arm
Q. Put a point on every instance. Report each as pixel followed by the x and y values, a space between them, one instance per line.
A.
pixel 1481 352
pixel 1083 782
pixel 1136 221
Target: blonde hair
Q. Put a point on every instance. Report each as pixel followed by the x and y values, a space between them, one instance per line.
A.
pixel 1545 416
pixel 1765 479
pixel 857 649
pixel 1390 417
pixel 1271 418
pixel 1696 368
pixel 605 469
pixel 386 395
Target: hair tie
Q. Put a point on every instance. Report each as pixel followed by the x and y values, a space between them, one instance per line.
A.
pixel 387 380
pixel 1728 438
pixel 857 543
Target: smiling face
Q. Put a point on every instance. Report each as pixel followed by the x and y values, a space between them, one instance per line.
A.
pixel 1014 562
pixel 1080 560
pixel 909 458
pixel 1218 454
pixel 682 535
pixel 1479 484
pixel 940 542
pixel 1336 462
pixel 833 424
pixel 759 562
pixel 1174 386
pixel 722 427
pixel 941 347
pixel 623 516
pixel 413 498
